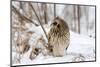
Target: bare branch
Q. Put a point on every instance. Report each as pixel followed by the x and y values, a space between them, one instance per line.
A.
pixel 22 16
pixel 40 16
pixel 38 20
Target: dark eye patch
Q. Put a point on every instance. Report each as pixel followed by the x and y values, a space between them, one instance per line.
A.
pixel 55 23
pixel 58 26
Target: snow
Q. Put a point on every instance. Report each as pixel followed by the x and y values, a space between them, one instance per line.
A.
pixel 81 48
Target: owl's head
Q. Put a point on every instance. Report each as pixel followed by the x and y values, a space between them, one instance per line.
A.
pixel 59 23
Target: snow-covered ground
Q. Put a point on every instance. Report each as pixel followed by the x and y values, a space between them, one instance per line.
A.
pixel 81 48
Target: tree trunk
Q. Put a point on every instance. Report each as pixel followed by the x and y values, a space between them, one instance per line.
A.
pixel 54 10
pixel 45 13
pixel 78 18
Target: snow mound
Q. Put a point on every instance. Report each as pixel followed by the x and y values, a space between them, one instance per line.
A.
pixel 81 48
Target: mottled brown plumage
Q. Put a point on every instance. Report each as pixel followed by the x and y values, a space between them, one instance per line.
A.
pixel 58 37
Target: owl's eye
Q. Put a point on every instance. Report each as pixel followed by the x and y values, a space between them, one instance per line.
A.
pixel 55 23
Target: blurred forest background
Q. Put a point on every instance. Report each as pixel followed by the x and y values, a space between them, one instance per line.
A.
pixel 81 19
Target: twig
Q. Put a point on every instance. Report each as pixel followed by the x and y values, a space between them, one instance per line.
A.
pixel 38 19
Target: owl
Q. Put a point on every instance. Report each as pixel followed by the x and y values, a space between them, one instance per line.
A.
pixel 58 37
